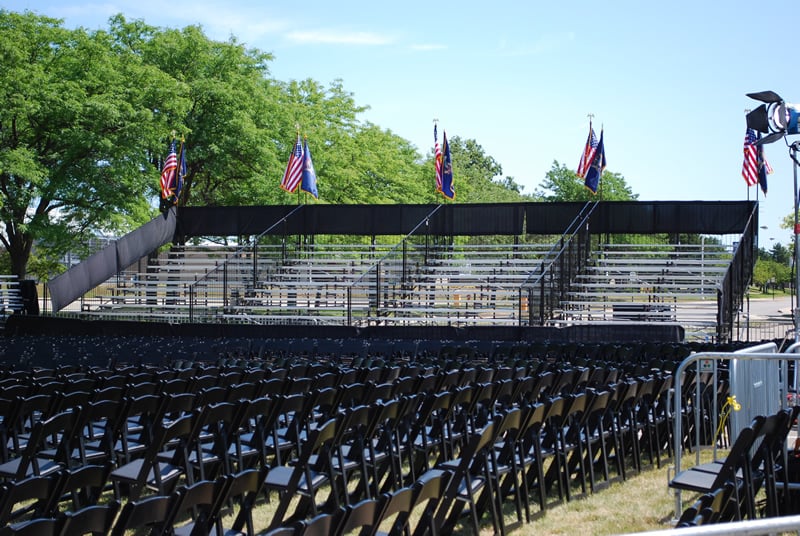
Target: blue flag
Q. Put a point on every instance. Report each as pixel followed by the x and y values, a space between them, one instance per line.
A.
pixel 597 166
pixel 763 168
pixel 181 171
pixel 309 183
pixel 447 170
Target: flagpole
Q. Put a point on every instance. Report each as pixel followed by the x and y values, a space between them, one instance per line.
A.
pixel 436 141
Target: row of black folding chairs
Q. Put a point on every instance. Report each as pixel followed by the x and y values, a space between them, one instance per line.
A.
pixel 145 407
pixel 447 445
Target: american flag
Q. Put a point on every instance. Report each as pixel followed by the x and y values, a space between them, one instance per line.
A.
pixel 588 153
pixel 294 168
pixel 437 157
pixel 168 173
pixel 750 165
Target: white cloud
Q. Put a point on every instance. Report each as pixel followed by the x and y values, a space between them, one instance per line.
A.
pixel 334 37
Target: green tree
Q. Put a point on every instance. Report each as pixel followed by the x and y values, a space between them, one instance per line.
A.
pixel 232 115
pixel 562 184
pixel 780 254
pixel 477 176
pixel 768 271
pixel 77 123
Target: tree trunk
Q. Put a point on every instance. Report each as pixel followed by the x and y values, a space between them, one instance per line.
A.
pixel 20 252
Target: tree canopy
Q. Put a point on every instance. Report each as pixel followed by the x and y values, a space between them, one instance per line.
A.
pixel 563 184
pixel 86 118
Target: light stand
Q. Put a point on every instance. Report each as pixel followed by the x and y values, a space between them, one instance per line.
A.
pixel 793 149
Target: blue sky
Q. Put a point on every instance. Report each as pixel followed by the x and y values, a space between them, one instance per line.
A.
pixel 666 80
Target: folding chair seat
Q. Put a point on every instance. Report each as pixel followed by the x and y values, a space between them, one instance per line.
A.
pixel 598 437
pixel 503 467
pixel 138 419
pixel 48 449
pixel 303 478
pixel 703 481
pixel 470 474
pixel 149 471
pixel 253 438
pixel 96 519
pixel 149 513
pixel 26 411
pixel 530 454
pixel 213 436
pixel 428 434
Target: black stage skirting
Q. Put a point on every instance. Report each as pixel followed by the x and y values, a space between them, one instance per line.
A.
pixel 612 332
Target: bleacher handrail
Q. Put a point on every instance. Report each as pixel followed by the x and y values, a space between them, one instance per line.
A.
pixel 579 222
pixel 223 265
pixel 734 284
pixel 392 250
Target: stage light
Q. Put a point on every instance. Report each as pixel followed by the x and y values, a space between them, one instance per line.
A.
pixel 776 118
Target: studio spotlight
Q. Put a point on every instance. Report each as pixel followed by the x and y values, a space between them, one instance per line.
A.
pixel 775 118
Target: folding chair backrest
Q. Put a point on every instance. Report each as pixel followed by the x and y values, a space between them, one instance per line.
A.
pixel 149 512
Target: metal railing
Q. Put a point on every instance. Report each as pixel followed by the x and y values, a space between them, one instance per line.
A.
pixel 544 290
pixel 758 375
pixel 734 285
pixel 750 527
pixel 380 291
pixel 227 280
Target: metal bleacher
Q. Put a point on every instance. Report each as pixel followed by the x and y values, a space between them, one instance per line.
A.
pixel 649 283
pixel 384 284
pixel 547 265
pixel 323 284
pixel 10 297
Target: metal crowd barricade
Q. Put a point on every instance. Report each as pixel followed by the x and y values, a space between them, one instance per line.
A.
pixel 760 380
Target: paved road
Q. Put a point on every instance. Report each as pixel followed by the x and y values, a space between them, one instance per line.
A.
pixel 768 308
